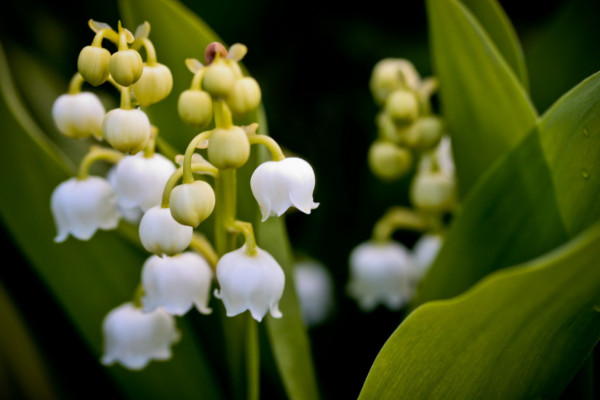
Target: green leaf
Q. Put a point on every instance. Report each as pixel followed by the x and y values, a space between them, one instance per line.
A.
pixel 179 34
pixel 541 193
pixel 486 108
pixel 521 333
pixel 492 18
pixel 87 278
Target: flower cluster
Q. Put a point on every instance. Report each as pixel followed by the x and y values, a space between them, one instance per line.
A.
pixel 169 201
pixel 409 134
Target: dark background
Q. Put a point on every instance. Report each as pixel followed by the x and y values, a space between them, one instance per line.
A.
pixel 313 62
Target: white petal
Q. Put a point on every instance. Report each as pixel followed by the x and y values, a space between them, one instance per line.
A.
pixel 424 253
pixel 80 207
pixel 134 338
pixel 139 181
pixel 177 283
pixel 250 282
pixel 78 115
pixel 380 273
pixel 314 287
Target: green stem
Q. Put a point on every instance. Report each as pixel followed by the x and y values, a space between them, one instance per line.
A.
pixel 125 98
pixel 151 146
pixel 223 118
pixel 204 168
pixel 270 144
pixel 225 209
pixel 75 83
pixel 252 358
pixel 189 152
pixel 97 154
pixel 246 229
pixel 398 218
pixel 205 248
pixel 150 52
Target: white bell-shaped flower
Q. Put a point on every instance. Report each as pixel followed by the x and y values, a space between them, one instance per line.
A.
pixel 78 115
pixel 161 234
pixel 277 185
pixel 315 291
pixel 80 207
pixel 131 214
pixel 250 282
pixel 424 253
pixel 134 338
pixel 380 273
pixel 176 283
pixel 139 181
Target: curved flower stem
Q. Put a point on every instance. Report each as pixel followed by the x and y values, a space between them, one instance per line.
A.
pixel 205 248
pixel 246 229
pixel 399 218
pixel 97 154
pixel 205 168
pixel 223 118
pixel 189 152
pixel 151 59
pixel 151 146
pixel 125 98
pixel 75 83
pixel 137 296
pixel 105 34
pixel 270 144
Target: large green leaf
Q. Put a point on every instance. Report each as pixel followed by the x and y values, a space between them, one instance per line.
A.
pixel 486 108
pixel 520 334
pixel 544 191
pixel 491 16
pixel 179 34
pixel 87 278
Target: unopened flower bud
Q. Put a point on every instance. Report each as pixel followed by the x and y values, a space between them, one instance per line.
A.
pixel 93 64
pixel 126 130
pixel 244 96
pixel 78 115
pixel 192 203
pixel 126 67
pixel 388 161
pixel 425 133
pixel 154 85
pixel 218 79
pixel 161 234
pixel 402 106
pixel 433 191
pixel 228 148
pixel 391 74
pixel 195 108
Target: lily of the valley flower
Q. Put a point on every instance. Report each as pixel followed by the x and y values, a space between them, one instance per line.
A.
pixel 424 253
pixel 250 282
pixel 161 234
pixel 139 181
pixel 277 185
pixel 380 273
pixel 78 115
pixel 176 283
pixel 315 291
pixel 134 338
pixel 80 207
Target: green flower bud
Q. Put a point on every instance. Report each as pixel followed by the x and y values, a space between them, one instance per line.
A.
pixel 127 131
pixel 425 133
pixel 433 191
pixel 192 203
pixel 218 79
pixel 228 148
pixel 195 108
pixel 126 67
pixel 391 74
pixel 388 161
pixel 402 106
pixel 93 64
pixel 244 96
pixel 154 85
